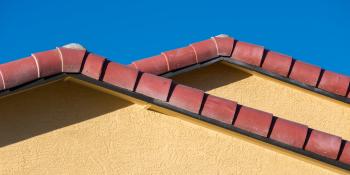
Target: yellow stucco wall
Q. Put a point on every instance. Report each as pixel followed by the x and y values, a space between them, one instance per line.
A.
pixel 267 94
pixel 67 128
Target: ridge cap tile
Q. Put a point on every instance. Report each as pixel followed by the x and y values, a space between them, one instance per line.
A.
pixel 205 50
pixel 72 59
pixel 49 62
pixel 180 57
pixel 18 72
pixel 154 65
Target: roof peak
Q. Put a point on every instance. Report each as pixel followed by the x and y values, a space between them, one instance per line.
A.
pixel 222 35
pixel 74 46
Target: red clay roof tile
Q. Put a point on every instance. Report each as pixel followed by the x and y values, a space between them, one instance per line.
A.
pixel 93 66
pixel 121 76
pixel 50 62
pixel 154 86
pixel 334 82
pixel 345 156
pixel 254 121
pixel 219 109
pixel 205 50
pixel 248 53
pixel 179 58
pixel 323 144
pixel 224 45
pixel 154 65
pixel 187 98
pixel 277 63
pixel 18 72
pixel 289 132
pixel 305 73
pixel 72 59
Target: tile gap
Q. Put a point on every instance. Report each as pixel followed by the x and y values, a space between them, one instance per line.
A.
pixel 309 130
pixel 291 67
pixel 274 118
pixel 342 145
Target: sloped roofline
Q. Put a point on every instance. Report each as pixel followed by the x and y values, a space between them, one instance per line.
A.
pixel 76 62
pixel 248 56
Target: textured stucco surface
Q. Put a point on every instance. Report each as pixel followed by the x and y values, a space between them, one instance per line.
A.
pixel 65 128
pixel 281 99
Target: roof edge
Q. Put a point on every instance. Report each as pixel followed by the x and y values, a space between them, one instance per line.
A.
pixel 253 57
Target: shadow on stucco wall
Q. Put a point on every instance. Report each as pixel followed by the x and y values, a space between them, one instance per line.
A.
pixel 51 107
pixel 211 77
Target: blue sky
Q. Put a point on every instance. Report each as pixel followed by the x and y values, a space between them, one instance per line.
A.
pixel 317 32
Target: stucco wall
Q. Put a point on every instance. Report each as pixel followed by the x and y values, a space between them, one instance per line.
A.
pixel 282 99
pixel 66 128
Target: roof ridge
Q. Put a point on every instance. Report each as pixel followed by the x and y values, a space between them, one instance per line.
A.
pixel 257 57
pixel 194 102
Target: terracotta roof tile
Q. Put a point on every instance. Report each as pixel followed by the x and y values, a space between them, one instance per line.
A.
pixel 205 50
pixel 154 65
pixel 121 76
pixel 187 98
pixel 248 53
pixel 219 109
pixel 324 144
pixel 277 63
pixel 305 73
pixel 179 58
pixel 254 121
pixel 334 82
pixel 72 59
pixel 18 72
pixel 224 45
pixel 50 62
pixel 345 156
pixel 289 132
pixel 154 86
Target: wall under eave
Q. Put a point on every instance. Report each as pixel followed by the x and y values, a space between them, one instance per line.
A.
pixel 271 95
pixel 67 128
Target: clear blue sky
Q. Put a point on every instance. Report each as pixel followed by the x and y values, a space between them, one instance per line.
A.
pixel 317 32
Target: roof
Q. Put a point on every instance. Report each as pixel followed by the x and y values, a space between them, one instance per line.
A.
pixel 249 56
pixel 75 61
